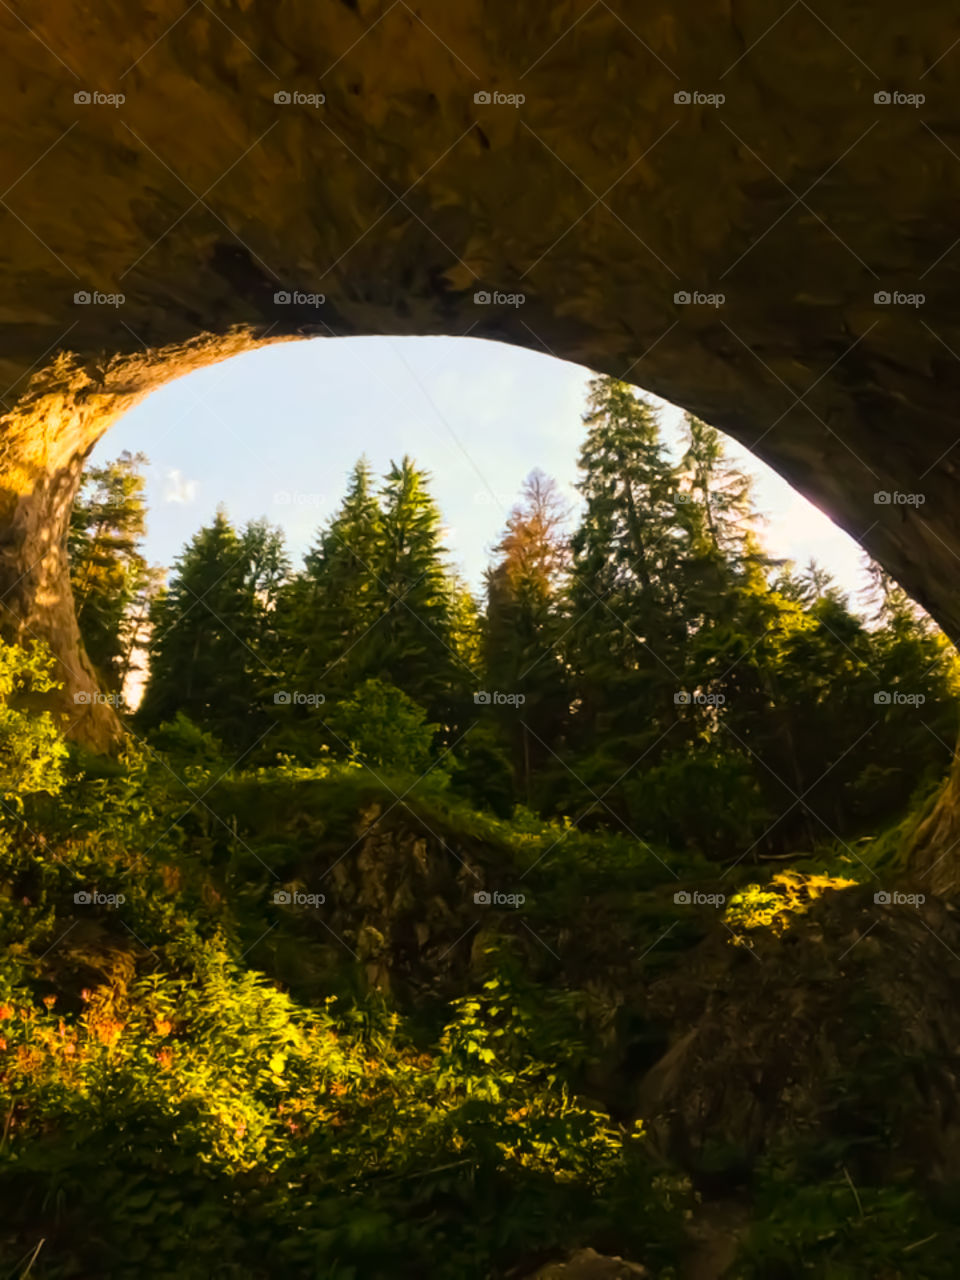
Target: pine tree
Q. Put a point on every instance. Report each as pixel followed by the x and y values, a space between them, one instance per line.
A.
pixel 413 644
pixel 910 657
pixel 625 631
pixel 720 495
pixel 626 543
pixel 523 625
pixel 107 567
pixel 377 600
pixel 208 629
pixel 328 609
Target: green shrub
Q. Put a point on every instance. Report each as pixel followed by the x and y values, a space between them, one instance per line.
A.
pixel 382 727
pixel 32 750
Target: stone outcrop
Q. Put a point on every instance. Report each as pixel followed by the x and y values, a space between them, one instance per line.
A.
pixel 839 1033
pixel 180 156
pixel 587 1264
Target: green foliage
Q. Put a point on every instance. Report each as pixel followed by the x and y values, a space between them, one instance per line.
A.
pixel 326 610
pixel 709 798
pixel 382 727
pixel 211 630
pixel 438 1163
pixel 718 699
pixel 482 772
pixel 112 584
pixel 211 1124
pixel 376 601
pixel 773 905
pixel 187 743
pixel 412 643
pixel 522 626
pixel 213 1077
pixel 32 750
pixel 654 673
pixel 841 1232
pixel 624 629
pixel 156 1078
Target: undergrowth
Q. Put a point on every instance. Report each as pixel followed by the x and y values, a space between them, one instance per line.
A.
pixel 170 1108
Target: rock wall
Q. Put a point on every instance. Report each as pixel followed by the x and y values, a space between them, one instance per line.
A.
pixel 175 191
pixel 860 1055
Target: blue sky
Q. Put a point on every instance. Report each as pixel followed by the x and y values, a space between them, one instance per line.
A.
pixel 274 432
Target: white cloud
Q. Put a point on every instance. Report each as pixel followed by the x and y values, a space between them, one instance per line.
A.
pixel 178 488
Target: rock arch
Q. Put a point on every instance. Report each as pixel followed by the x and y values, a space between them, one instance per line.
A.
pixel 616 187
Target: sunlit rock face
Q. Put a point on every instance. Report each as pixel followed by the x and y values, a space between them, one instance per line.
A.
pixel 202 174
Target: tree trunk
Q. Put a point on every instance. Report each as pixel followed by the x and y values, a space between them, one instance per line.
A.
pixel 36 603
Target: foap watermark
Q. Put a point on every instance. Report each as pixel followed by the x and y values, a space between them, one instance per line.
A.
pixel 884 498
pixel 493 697
pixel 93 98
pixel 494 898
pixel 93 697
pixel 894 298
pixel 683 698
pixel 294 98
pixel 694 898
pixel 297 498
pixel 490 498
pixel 296 298
pixel 297 698
pixel 94 898
pixel 495 298
pixel 94 298
pixel 894 898
pixel 296 898
pixel 894 98
pixel 694 98
pixel 893 698
pixel 688 298
pixel 494 98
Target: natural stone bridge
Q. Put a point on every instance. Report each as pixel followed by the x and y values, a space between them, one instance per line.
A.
pixel 772 160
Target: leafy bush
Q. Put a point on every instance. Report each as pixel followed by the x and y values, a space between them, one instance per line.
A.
pixel 187 743
pixel 771 906
pixel 169 1110
pixel 382 727
pixel 208 1125
pixel 483 774
pixel 32 750
pixel 707 799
